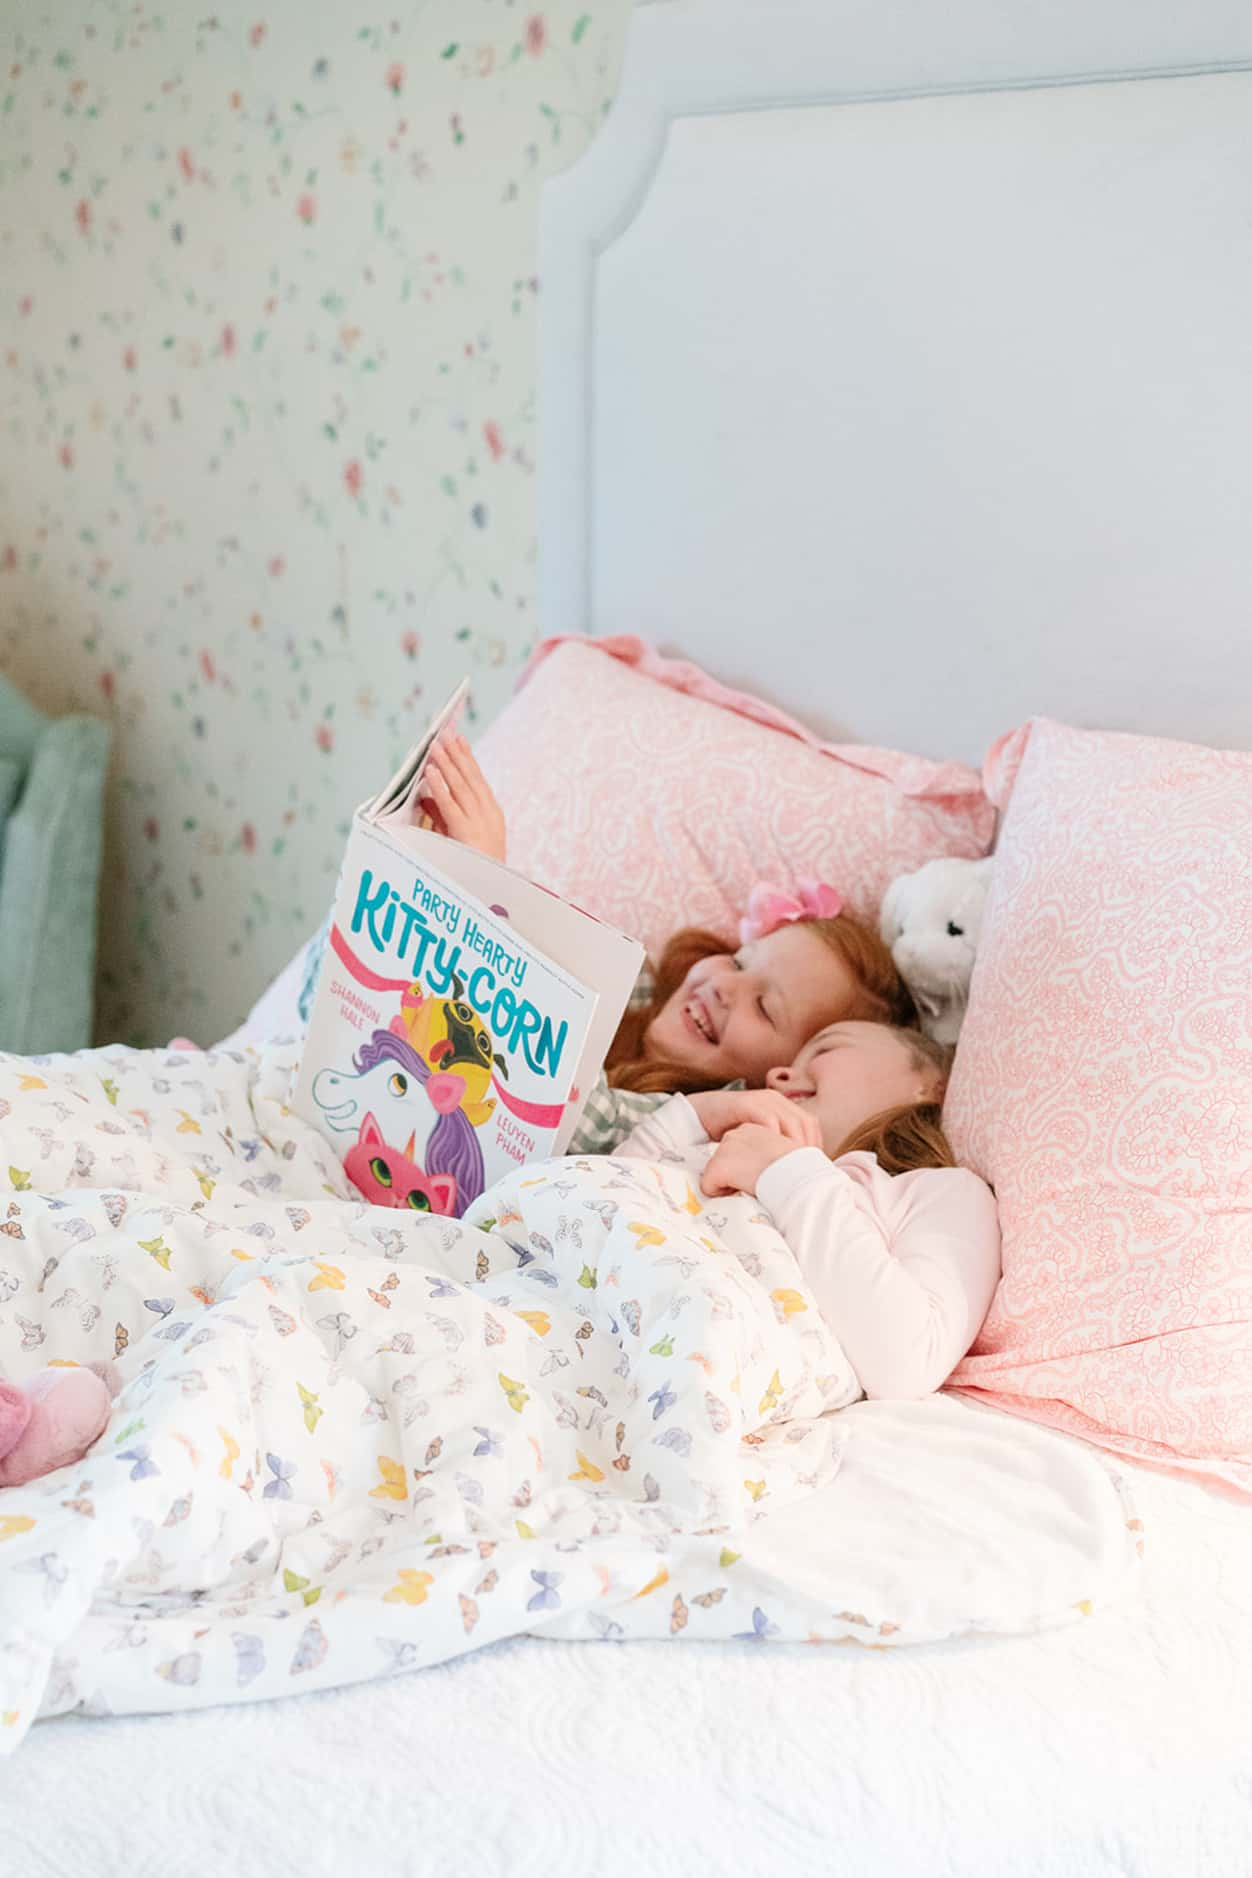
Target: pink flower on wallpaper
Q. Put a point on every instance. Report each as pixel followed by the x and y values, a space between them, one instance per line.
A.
pixel 257 34
pixel 152 828
pixel 82 215
pixel 186 165
pixel 495 442
pixel 306 207
pixel 277 566
pixel 324 738
pixel 130 358
pixel 207 666
pixel 395 78
pixel 8 560
pixel 408 645
pixel 25 304
pixel 247 837
pixel 108 685
pixel 536 35
pixel 353 477
pixel 66 455
pixel 228 341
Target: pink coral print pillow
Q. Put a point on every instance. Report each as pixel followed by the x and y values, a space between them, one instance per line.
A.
pixel 1104 1086
pixel 655 797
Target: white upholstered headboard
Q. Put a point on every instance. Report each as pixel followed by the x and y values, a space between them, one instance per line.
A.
pixel 897 362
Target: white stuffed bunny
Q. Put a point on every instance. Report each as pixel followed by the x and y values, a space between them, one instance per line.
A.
pixel 931 921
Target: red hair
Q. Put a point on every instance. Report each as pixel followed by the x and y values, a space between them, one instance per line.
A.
pixel 881 997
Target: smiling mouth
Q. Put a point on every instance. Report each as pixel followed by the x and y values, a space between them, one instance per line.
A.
pixel 698 1018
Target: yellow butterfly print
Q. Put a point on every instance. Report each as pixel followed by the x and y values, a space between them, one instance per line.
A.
pixel 13 1524
pixel 727 1558
pixel 188 1125
pixel 231 1455
pixel 19 1178
pixel 787 1303
pixel 329 1277
pixel 539 1321
pixel 517 1396
pixel 410 1587
pixel 691 1204
pixel 535 1183
pixel 654 1584
pixel 157 1249
pixel 756 1488
pixel 312 1412
pixel 523 1530
pixel 644 1234
pixel 37 1082
pixel 235 1253
pixel 292 1581
pixel 772 1396
pixel 206 1185
pixel 392 1486
pixel 587 1470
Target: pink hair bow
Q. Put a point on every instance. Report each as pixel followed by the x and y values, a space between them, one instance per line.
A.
pixel 769 907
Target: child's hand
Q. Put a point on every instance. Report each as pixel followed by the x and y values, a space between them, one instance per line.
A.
pixel 743 1156
pixel 458 798
pixel 722 1109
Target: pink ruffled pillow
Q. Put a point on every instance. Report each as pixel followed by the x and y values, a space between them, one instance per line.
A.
pixel 655 797
pixel 1104 1086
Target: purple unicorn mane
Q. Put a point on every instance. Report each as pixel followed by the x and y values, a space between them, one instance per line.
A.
pixel 454 1145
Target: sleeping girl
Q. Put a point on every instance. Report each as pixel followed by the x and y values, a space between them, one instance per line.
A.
pixel 705 1016
pixel 845 1152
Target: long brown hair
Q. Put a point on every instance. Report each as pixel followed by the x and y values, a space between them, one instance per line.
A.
pixel 911 1136
pixel 881 998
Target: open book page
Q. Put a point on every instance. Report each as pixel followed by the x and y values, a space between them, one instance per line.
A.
pixel 399 799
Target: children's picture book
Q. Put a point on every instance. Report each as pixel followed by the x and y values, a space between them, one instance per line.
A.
pixel 462 1012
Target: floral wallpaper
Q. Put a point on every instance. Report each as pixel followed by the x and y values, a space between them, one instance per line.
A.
pixel 268 293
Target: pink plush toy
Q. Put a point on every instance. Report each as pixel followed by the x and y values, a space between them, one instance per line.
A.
pixel 52 1419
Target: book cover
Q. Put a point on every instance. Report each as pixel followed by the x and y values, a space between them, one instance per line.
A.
pixel 461 1012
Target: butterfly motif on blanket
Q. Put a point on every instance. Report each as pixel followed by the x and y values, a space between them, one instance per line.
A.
pixel 772 1396
pixel 547 1597
pixel 182 1670
pixel 249 1658
pixel 313 1411
pixel 231 1455
pixel 707 1599
pixel 293 1582
pixel 410 1587
pixel 393 1485
pixel 329 1277
pixel 311 1649
pixel 279 1486
pixel 143 1464
pixel 587 1469
pixel 516 1396
pixel 388 1284
pixel 762 1629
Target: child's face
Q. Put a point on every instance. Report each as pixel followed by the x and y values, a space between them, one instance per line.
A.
pixel 849 1072
pixel 738 1014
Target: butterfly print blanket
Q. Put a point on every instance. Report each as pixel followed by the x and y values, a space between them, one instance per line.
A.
pixel 352 1441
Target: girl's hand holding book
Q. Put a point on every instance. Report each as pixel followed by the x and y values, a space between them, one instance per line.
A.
pixel 459 800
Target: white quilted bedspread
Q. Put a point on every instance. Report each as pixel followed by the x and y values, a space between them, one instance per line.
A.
pixel 355 1442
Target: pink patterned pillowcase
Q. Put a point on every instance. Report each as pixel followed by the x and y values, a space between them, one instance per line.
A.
pixel 1104 1086
pixel 655 797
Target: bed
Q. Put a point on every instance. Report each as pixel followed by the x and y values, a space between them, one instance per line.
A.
pixel 860 332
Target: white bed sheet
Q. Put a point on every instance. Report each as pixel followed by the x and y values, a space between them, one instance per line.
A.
pixel 1120 1746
